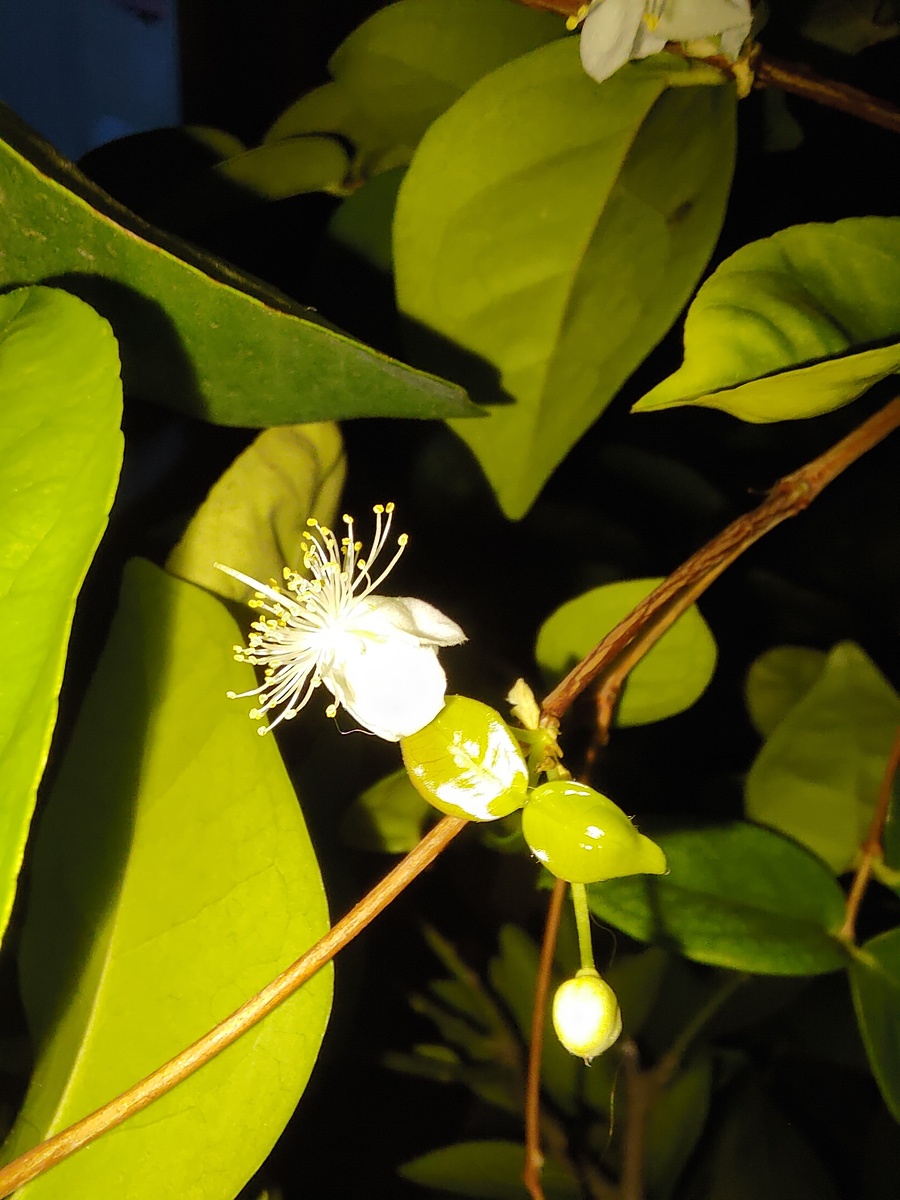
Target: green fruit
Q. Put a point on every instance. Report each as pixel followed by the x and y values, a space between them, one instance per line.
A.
pixel 466 762
pixel 586 1014
pixel 581 836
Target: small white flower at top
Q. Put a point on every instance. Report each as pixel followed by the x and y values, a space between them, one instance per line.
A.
pixel 377 655
pixel 615 31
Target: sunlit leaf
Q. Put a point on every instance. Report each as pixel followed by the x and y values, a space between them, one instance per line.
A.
pixel 488 1171
pixel 405 65
pixel 777 680
pixel 172 878
pixel 667 680
pixel 816 778
pixel 287 168
pixel 194 332
pixel 875 980
pixel 254 516
pixel 736 896
pixel 60 450
pixel 793 325
pixel 551 230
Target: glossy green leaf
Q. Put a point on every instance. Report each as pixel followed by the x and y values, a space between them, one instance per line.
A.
pixel 667 680
pixel 255 514
pixel 816 778
pixel 674 1125
pixel 875 980
pixel 777 680
pixel 405 66
pixel 761 1155
pixel 194 333
pixel 551 230
pixel 488 1171
pixel 736 896
pixel 60 451
pixel 389 817
pixel 172 878
pixel 793 325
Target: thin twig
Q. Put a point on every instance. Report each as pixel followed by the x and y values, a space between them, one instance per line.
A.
pixel 534 1159
pixel 653 615
pixel 871 849
pixel 801 81
pixel 47 1154
pixel 770 71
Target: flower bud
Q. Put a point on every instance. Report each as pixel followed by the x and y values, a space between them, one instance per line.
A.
pixel 586 1015
pixel 466 762
pixel 581 836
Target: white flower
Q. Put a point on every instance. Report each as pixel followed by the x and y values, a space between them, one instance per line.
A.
pixel 618 30
pixel 377 655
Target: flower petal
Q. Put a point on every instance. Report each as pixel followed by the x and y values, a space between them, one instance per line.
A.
pixel 689 20
pixel 609 36
pixel 392 687
pixel 386 616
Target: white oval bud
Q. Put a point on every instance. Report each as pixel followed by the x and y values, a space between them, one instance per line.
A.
pixel 586 1015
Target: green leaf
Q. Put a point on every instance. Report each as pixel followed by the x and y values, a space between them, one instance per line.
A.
pixel 674 1125
pixel 875 981
pixel 60 451
pixel 850 25
pixel 172 878
pixel 512 974
pixel 816 779
pixel 736 896
pixel 790 326
pixel 364 221
pixel 777 680
pixel 488 1171
pixel 522 205
pixel 194 333
pixel 287 168
pixel 760 1155
pixel 256 512
pixel 667 680
pixel 389 817
pixel 405 66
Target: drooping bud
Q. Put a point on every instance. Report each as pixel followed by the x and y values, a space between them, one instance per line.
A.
pixel 586 1015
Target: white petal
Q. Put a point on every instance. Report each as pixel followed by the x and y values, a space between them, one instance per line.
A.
pixel 392 687
pixel 688 20
pixel 608 36
pixel 386 616
pixel 647 42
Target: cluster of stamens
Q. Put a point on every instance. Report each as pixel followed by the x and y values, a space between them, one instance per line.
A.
pixel 295 643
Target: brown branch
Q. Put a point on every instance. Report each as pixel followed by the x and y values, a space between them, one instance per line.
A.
pixel 47 1154
pixel 770 71
pixel 871 849
pixel 653 615
pixel 534 1159
pixel 801 81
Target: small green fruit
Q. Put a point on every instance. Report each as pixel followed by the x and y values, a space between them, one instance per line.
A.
pixel 581 836
pixel 586 1015
pixel 466 762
